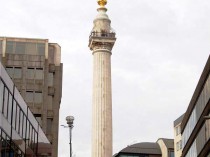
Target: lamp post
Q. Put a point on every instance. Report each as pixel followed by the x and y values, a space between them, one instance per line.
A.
pixel 69 120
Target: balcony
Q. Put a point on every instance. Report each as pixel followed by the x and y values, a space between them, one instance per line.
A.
pixel 102 34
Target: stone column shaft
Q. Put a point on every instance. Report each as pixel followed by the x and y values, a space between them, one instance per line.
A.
pixel 102 104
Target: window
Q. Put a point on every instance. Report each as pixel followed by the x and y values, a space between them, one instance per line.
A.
pixel 20 48
pixel 171 153
pixel 10 47
pixel 10 71
pixel 17 72
pixel 9 109
pixel 1 95
pixel 38 97
pixel 39 73
pixel 41 49
pixel 5 104
pixel 38 118
pixel 29 96
pixel 30 73
pixel 34 97
pixel 35 73
pixel 14 72
pixel 14 114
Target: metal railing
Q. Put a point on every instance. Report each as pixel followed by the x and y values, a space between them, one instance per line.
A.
pixel 102 34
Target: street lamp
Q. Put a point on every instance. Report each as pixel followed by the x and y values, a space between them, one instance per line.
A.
pixel 69 120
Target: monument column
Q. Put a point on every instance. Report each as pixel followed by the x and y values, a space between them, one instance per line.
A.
pixel 101 41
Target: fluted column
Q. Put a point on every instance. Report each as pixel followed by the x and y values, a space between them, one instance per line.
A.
pixel 102 104
pixel 101 42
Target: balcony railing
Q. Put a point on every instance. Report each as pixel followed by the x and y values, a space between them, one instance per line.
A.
pixel 101 34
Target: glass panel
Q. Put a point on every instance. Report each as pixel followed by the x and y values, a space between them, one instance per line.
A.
pixel 29 96
pixel 171 154
pixel 24 126
pixel 17 72
pixel 14 113
pixel 39 73
pixel 31 48
pixel 20 48
pixel 38 118
pixel 21 124
pixel 30 73
pixel 41 49
pixel 1 95
pixel 10 71
pixel 17 118
pixel 10 108
pixel 38 97
pixel 5 101
pixel 10 47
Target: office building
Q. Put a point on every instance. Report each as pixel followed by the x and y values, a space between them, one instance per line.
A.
pixel 36 69
pixel 101 42
pixel 195 127
pixel 178 136
pixel 20 133
pixel 162 148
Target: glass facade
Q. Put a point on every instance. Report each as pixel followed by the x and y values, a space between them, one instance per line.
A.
pixel 14 47
pixel 20 132
pixel 201 135
pixel 197 111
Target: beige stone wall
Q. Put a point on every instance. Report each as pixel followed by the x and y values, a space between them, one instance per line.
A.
pixel 177 138
pixel 163 148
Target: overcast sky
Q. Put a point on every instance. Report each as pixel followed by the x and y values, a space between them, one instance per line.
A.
pixel 160 52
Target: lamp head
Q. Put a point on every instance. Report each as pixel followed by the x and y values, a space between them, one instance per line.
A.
pixel 70 120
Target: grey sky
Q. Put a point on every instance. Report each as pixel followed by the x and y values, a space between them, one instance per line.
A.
pixel 161 49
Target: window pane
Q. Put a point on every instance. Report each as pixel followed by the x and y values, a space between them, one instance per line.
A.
pixel 30 73
pixel 10 71
pixel 20 48
pixel 38 97
pixel 17 72
pixel 39 73
pixel 14 113
pixel 10 108
pixel 5 101
pixel 29 96
pixel 31 48
pixel 41 49
pixel 21 123
pixel 38 118
pixel 1 95
pixel 17 118
pixel 10 47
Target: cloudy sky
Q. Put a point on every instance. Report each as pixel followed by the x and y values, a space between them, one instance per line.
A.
pixel 161 49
